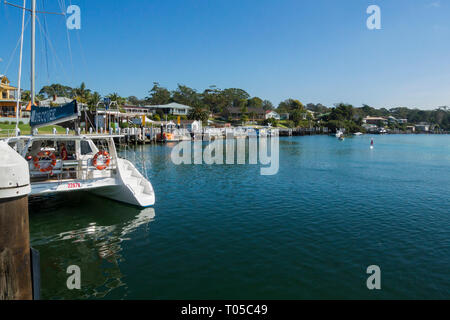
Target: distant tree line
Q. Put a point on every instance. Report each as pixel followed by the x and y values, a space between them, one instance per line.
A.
pixel 347 116
pixel 218 101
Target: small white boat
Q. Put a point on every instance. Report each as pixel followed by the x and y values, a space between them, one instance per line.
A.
pixel 64 163
pixel 339 133
pixel 358 134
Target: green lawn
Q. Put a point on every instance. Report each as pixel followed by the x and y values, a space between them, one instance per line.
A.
pixel 26 129
pixel 283 124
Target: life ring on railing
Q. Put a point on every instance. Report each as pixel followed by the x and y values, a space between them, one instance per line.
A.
pixel 106 161
pixel 44 154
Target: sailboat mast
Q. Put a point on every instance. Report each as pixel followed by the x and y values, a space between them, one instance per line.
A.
pixel 19 88
pixel 33 49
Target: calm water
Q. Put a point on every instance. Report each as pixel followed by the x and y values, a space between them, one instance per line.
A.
pixel 225 231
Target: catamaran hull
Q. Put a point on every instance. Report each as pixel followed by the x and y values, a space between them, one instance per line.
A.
pixel 122 193
pixel 38 189
pixel 107 188
pixel 130 186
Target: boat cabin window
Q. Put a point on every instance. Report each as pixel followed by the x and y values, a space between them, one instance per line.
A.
pixel 13 145
pixel 85 148
pixel 62 149
pixel 101 144
pixel 69 153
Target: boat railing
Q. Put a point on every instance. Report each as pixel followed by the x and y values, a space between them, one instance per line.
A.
pixel 81 169
pixel 7 133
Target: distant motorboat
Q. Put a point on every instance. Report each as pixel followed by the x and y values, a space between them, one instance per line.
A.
pixel 339 134
pixel 358 134
pixel 167 137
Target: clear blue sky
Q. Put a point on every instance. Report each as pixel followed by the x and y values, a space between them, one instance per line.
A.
pixel 315 51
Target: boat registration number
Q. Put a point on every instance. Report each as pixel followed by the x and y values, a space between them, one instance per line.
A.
pixel 74 185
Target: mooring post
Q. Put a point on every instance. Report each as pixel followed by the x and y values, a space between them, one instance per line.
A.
pixel 15 268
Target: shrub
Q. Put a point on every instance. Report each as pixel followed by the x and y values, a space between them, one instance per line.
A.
pixel 271 121
pixel 123 125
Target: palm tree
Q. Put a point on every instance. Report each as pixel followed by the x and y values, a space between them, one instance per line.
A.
pixel 115 97
pixel 82 94
pixel 25 95
pixel 94 99
pixel 197 113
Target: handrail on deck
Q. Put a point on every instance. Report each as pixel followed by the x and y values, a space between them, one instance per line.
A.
pixel 81 168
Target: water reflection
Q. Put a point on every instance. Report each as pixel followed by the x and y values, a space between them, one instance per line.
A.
pixel 86 231
pixel 97 232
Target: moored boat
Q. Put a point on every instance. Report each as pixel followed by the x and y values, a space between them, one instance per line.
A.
pixel 66 163
pixel 339 133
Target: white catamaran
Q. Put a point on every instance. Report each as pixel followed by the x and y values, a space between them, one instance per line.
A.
pixel 64 163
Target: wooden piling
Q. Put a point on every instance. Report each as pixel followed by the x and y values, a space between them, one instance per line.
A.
pixel 15 269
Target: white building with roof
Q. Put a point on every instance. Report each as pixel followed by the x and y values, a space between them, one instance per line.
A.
pixel 272 114
pixel 173 108
pixel 54 101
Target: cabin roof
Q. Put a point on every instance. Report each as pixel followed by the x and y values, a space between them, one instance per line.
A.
pixel 172 105
pixel 55 100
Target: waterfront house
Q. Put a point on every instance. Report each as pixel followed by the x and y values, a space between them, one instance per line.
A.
pixel 311 114
pixel 270 114
pixel 422 127
pixel 136 110
pixel 375 120
pixel 284 116
pixel 392 119
pixel 173 108
pixel 371 128
pixel 8 96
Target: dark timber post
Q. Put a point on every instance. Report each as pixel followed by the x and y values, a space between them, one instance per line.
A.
pixel 15 268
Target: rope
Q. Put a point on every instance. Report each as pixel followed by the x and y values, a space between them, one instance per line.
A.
pixel 45 44
pixel 14 51
pixel 68 39
pixel 51 47
pixel 29 10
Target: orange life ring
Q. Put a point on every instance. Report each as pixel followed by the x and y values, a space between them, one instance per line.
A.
pixel 44 154
pixel 106 162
